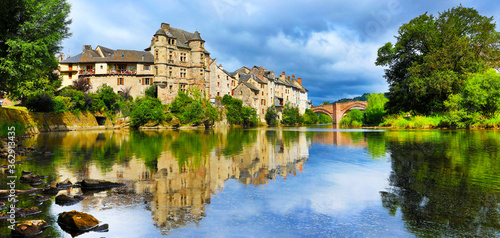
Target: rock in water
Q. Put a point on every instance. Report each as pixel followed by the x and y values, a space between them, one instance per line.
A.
pixel 64 184
pixel 91 184
pixel 77 221
pixel 30 228
pixel 65 200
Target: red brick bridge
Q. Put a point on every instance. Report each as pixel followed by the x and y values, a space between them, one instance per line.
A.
pixel 337 110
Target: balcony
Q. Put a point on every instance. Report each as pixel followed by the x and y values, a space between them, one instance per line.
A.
pixel 86 72
pixel 121 72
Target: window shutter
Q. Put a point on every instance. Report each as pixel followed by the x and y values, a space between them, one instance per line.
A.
pixel 143 81
pixel 118 81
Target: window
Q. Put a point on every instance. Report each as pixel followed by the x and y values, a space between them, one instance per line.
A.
pixel 70 75
pixel 183 57
pixel 218 94
pixel 262 110
pixel 201 73
pixel 170 88
pixel 262 86
pixel 156 70
pixel 119 81
pixel 218 84
pixel 122 67
pixel 170 71
pixel 156 38
pixel 202 57
pixel 183 73
pixel 156 55
pixel 262 93
pixel 70 67
pixel 228 85
pixel 87 80
pixel 146 67
pixel 171 57
pixel 227 77
pixel 146 81
pixel 101 66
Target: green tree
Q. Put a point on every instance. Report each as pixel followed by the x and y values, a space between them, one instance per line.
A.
pixel 271 116
pixel 146 109
pixel 310 117
pixel 108 97
pixel 30 34
pixel 325 103
pixel 324 119
pixel 482 93
pixel 376 108
pixel 291 115
pixel 352 119
pixel 432 56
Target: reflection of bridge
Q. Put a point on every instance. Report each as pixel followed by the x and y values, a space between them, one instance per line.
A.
pixel 337 110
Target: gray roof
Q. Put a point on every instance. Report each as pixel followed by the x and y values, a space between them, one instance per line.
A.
pixel 109 55
pixel 246 77
pixel 73 59
pixel 250 86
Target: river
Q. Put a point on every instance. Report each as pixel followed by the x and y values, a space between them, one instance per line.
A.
pixel 274 182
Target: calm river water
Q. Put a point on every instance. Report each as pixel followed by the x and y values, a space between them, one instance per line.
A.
pixel 282 182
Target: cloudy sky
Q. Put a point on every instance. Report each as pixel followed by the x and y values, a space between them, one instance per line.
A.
pixel 331 44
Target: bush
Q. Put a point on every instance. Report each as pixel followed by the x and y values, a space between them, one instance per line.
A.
pixel 78 99
pixel 146 109
pixel 62 104
pixel 310 117
pixel 150 91
pixel 271 116
pixel 291 115
pixel 352 119
pixel 40 102
pixel 4 128
pixel 324 119
pixel 108 97
pixel 249 117
pixel 193 113
pixel 375 110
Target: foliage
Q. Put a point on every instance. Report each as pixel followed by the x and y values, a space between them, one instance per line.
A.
pixel 249 117
pixel 325 103
pixel 61 104
pixel 363 97
pixel 108 97
pixel 236 114
pixel 40 102
pixel 81 85
pixel 146 109
pixel 150 91
pixel 4 128
pixel 482 93
pixel 125 93
pixel 404 120
pixel 291 115
pixel 310 117
pixel 352 119
pixel 433 55
pixel 324 119
pixel 271 116
pixel 376 108
pixel 31 32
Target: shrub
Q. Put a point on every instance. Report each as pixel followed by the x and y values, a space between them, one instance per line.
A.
pixel 40 102
pixel 352 119
pixel 310 117
pixel 82 85
pixel 4 128
pixel 271 116
pixel 62 104
pixel 108 97
pixel 291 115
pixel 150 91
pixel 375 110
pixel 146 109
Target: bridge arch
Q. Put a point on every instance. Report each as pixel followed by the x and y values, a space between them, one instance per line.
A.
pixel 337 110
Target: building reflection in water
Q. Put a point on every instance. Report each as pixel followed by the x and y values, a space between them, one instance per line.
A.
pixel 176 172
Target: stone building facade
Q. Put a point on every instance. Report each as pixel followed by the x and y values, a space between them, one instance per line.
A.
pixel 176 60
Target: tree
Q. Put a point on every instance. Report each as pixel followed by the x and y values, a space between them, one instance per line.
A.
pixel 432 56
pixel 108 96
pixel 271 116
pixel 310 117
pixel 81 84
pixel 352 119
pixel 30 35
pixel 376 108
pixel 291 115
pixel 146 109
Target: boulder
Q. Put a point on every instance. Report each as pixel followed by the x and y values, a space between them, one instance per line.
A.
pixel 94 184
pixel 65 200
pixel 27 212
pixel 30 228
pixel 77 221
pixel 64 184
pixel 32 179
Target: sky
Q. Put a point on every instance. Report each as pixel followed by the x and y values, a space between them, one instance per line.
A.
pixel 332 45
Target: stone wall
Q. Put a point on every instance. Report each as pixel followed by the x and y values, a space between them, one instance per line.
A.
pixel 44 122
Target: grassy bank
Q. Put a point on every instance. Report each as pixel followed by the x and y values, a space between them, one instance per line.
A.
pixel 404 121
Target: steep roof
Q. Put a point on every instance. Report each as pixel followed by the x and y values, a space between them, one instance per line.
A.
pixel 109 55
pixel 250 86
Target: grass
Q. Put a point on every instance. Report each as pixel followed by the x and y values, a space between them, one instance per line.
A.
pixel 412 122
pixel 5 126
pixel 17 108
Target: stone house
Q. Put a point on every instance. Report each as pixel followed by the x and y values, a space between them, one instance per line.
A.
pixel 180 62
pixel 120 69
pixel 221 82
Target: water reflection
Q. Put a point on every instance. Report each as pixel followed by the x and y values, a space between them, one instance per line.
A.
pixel 349 182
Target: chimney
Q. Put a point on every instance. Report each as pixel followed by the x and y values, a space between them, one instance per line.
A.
pixel 165 27
pixel 265 69
pixel 220 66
pixel 283 73
pixel 293 77
pixel 299 80
pixel 288 77
pixel 87 47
